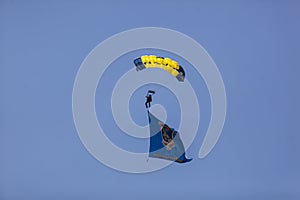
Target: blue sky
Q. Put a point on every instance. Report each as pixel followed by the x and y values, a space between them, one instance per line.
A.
pixel 255 45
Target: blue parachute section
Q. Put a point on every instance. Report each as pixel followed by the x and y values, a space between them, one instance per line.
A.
pixel 165 142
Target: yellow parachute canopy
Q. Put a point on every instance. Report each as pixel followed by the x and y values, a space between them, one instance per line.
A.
pixel 167 64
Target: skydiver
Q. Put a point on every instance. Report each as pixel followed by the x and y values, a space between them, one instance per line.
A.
pixel 148 100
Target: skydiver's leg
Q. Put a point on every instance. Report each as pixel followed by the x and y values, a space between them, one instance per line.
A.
pixel 146 104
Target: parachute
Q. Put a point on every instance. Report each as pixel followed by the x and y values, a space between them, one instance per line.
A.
pixel 166 64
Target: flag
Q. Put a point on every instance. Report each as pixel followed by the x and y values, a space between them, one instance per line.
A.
pixel 165 142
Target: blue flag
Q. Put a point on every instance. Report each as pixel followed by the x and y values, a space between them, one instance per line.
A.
pixel 165 142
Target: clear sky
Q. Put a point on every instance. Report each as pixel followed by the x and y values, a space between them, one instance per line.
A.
pixel 255 45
